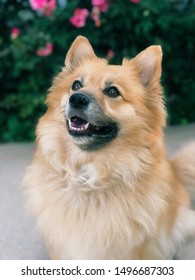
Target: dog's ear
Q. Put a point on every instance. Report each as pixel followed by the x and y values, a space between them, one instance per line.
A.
pixel 80 49
pixel 148 64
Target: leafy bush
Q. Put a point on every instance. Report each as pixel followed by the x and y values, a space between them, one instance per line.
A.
pixel 34 41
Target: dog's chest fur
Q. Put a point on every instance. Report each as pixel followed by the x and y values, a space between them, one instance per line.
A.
pixel 90 217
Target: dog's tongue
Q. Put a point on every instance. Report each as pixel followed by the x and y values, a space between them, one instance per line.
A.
pixel 78 122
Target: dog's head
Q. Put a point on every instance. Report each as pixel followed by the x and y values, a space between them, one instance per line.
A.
pixel 101 102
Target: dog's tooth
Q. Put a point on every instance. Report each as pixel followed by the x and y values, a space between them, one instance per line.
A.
pixel 86 126
pixel 79 129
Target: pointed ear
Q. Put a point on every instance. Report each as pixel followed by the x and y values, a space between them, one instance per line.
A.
pixel 148 64
pixel 80 49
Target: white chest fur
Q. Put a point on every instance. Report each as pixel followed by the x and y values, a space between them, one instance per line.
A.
pixel 88 217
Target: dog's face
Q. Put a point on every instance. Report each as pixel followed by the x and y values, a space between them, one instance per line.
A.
pixel 89 124
pixel 104 102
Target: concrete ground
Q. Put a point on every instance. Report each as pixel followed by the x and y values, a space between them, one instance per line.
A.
pixel 18 236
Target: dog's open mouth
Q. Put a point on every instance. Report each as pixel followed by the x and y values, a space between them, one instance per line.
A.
pixel 79 127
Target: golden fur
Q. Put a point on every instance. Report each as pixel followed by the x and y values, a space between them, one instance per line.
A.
pixel 126 200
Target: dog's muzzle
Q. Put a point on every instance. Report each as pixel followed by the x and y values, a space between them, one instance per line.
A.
pixel 87 124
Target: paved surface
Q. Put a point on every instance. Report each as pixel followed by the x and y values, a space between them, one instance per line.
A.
pixel 18 237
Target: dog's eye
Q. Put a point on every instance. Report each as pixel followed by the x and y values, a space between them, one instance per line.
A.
pixel 76 85
pixel 112 92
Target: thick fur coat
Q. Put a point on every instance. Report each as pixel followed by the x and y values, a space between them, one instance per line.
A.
pixel 109 191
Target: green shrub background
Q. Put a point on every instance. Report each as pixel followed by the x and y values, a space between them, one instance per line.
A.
pixel 126 28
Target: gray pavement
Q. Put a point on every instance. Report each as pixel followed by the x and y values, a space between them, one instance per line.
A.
pixel 18 236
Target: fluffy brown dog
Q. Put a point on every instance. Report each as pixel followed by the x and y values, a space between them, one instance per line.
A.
pixel 100 183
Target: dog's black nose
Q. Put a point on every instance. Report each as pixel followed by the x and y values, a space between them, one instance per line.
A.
pixel 79 100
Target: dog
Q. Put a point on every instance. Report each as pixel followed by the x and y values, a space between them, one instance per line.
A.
pixel 100 184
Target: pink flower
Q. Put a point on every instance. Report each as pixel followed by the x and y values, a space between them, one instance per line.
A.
pixel 45 51
pixel 101 4
pixel 95 15
pixel 97 2
pixel 79 17
pixel 45 6
pixel 110 54
pixel 15 32
pixel 135 1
